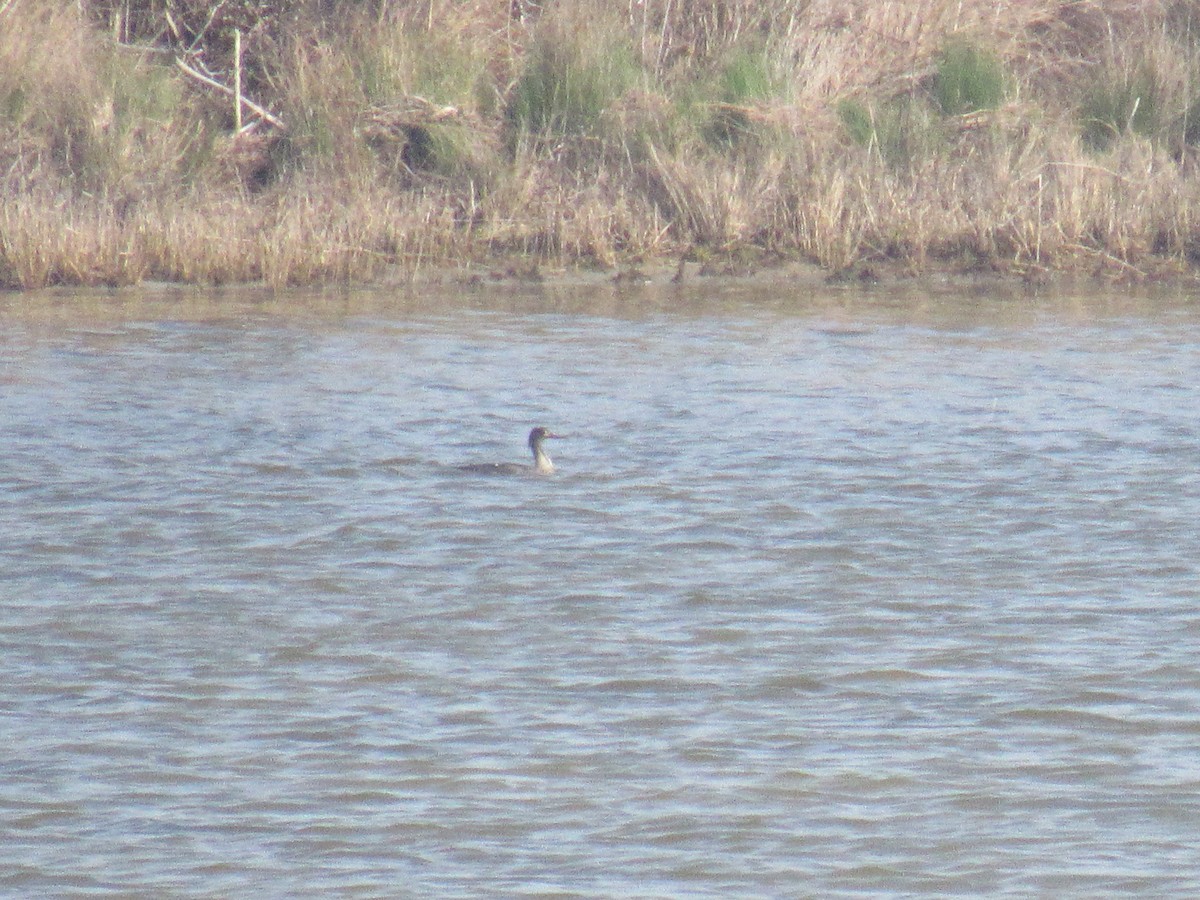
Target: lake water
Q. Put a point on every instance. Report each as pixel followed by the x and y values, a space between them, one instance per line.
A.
pixel 836 594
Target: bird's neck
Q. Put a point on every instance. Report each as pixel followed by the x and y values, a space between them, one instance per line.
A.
pixel 541 461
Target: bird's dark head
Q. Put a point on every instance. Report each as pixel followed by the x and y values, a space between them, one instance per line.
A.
pixel 539 434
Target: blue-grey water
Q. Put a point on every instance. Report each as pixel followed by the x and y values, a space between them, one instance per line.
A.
pixel 835 595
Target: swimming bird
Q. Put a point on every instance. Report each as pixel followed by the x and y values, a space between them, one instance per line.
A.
pixel 541 462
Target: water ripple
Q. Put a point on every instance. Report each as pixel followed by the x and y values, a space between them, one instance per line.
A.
pixel 817 604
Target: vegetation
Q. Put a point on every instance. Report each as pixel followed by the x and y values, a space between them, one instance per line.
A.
pixel 383 136
pixel 967 79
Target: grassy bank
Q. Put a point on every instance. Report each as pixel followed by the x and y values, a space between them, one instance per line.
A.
pixel 387 137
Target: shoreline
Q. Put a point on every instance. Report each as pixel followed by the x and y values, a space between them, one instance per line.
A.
pixel 508 272
pixel 774 269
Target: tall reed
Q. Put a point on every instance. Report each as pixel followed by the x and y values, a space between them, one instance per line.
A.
pixel 1012 136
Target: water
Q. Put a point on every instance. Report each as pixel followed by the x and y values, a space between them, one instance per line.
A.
pixel 831 596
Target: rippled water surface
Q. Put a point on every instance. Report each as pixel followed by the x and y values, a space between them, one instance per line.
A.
pixel 830 596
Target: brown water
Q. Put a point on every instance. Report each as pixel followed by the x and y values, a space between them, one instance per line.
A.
pixel 831 596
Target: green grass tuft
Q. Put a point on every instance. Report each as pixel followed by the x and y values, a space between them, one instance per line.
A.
pixel 1129 103
pixel 901 131
pixel 568 82
pixel 968 79
pixel 858 120
pixel 744 82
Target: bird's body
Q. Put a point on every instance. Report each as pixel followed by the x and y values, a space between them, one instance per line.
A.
pixel 542 465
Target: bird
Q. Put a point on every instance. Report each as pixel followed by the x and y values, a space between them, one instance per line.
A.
pixel 542 464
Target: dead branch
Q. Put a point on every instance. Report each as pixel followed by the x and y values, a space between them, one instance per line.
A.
pixel 228 91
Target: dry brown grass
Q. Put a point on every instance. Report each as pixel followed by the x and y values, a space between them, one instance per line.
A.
pixel 399 152
pixel 46 239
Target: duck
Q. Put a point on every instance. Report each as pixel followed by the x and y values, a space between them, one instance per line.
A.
pixel 542 464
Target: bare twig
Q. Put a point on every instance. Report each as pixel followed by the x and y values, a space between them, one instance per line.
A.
pixel 1105 255
pixel 203 31
pixel 228 91
pixel 237 80
pixel 1088 167
pixel 174 28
